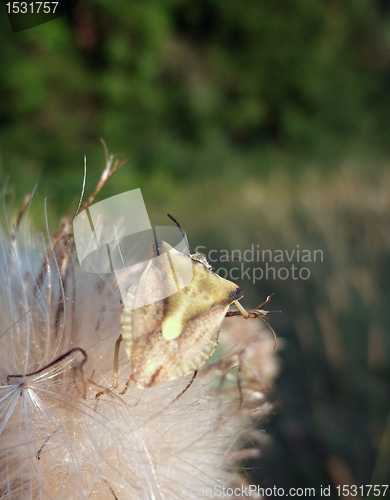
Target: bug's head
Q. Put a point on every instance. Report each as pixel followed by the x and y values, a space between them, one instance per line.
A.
pixel 195 256
pixel 199 257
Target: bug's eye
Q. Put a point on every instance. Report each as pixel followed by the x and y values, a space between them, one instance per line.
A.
pixel 199 257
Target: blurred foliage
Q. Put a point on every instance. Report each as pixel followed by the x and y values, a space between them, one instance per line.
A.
pixel 182 85
pixel 332 408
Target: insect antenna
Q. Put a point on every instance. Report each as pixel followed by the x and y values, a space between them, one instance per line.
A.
pixel 181 230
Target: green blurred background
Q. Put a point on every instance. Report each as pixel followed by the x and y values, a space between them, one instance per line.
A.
pixel 257 122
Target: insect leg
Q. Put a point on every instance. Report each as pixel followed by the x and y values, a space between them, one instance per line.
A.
pixel 187 387
pixel 126 386
pixel 242 310
pixel 254 313
pixel 267 301
pixel 251 313
pixel 115 376
pixel 115 382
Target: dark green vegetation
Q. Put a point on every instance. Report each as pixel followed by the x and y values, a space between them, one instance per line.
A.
pixel 183 86
pixel 256 122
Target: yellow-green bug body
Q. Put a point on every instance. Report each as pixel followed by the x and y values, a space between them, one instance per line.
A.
pixel 173 337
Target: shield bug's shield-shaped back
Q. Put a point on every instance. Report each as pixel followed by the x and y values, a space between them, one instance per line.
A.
pixel 173 337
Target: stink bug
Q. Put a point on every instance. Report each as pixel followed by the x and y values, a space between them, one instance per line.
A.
pixel 173 337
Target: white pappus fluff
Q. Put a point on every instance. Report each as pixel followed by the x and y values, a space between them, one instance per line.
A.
pixel 57 440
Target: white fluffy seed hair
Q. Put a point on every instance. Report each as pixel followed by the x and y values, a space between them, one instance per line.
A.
pixel 57 335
